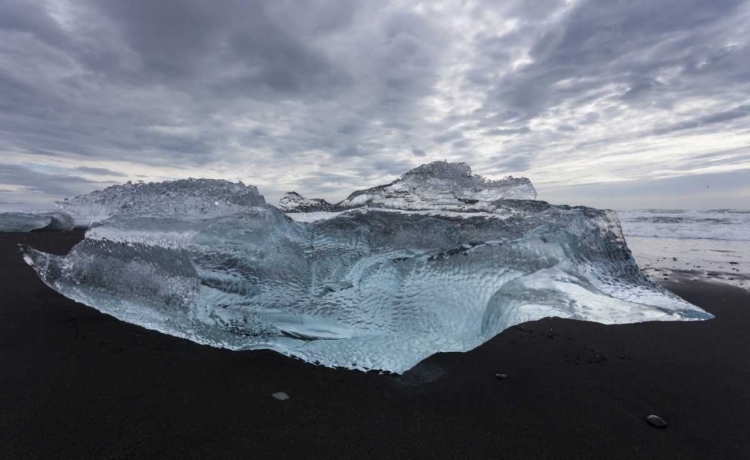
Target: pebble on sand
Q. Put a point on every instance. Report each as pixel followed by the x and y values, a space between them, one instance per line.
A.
pixel 501 376
pixel 655 420
pixel 281 396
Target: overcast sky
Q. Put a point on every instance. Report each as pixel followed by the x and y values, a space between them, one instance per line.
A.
pixel 620 104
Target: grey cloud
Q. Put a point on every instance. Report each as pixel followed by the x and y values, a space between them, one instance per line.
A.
pixel 177 39
pixel 351 151
pixel 590 118
pixel 566 127
pixel 58 185
pixel 100 171
pixel 390 166
pixel 31 18
pixel 350 128
pixel 518 163
pixel 179 44
pixel 506 132
pixel 460 144
pixel 723 158
pixel 640 88
pixel 604 43
pixel 449 136
pixel 706 120
pixel 322 182
pixel 371 88
pixel 698 191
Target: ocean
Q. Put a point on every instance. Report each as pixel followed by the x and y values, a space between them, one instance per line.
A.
pixel 710 245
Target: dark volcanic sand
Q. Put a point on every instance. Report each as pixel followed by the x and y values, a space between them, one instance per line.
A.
pixel 78 384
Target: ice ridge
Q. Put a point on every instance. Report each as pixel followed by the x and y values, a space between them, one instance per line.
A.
pixel 186 198
pixel 438 186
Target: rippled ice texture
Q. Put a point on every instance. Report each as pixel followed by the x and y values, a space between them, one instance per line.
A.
pixel 365 288
pixel 26 222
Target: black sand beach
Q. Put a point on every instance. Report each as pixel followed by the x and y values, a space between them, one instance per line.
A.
pixel 78 384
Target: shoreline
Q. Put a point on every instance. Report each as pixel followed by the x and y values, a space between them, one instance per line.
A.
pixel 722 261
pixel 80 384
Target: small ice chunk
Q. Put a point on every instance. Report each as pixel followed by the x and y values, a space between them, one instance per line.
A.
pixel 26 222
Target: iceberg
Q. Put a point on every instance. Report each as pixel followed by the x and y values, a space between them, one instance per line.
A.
pixel 437 261
pixel 26 222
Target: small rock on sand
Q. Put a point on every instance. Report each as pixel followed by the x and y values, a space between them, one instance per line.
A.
pixel 501 376
pixel 281 396
pixel 655 420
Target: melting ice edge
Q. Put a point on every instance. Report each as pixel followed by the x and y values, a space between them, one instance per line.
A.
pixel 439 260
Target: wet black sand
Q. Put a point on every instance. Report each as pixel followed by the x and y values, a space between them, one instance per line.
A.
pixel 78 384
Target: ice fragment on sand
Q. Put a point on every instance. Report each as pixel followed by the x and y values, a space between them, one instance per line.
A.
pixel 366 288
pixel 26 222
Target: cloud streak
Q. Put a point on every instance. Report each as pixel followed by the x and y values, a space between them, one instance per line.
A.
pixel 330 95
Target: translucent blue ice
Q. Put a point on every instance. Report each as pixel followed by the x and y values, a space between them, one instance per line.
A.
pixel 372 287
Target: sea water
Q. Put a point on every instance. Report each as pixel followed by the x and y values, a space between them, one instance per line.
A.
pixel 711 245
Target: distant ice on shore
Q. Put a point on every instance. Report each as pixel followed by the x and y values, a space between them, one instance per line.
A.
pixel 440 260
pixel 26 222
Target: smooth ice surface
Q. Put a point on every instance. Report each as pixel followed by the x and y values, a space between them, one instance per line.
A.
pixel 365 288
pixel 435 186
pixel 26 222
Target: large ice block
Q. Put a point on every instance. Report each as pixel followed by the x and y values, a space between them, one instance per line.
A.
pixel 381 286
